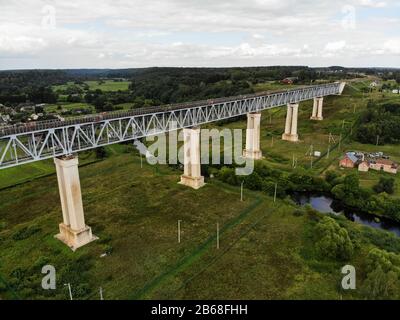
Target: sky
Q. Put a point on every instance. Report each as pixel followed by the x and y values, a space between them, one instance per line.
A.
pixel 203 33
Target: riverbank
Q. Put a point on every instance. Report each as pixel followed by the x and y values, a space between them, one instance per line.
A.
pixel 324 203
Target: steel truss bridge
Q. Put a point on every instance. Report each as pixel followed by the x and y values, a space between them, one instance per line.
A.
pixel 41 140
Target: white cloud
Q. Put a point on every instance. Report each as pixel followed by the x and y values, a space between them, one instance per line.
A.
pixel 392 46
pixel 372 3
pixel 335 46
pixel 133 33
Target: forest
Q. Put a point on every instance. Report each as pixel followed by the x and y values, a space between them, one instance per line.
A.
pixel 156 85
pixel 379 124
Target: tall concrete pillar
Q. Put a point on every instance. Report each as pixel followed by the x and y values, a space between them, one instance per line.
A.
pixel 253 150
pixel 192 167
pixel 317 109
pixel 73 230
pixel 290 133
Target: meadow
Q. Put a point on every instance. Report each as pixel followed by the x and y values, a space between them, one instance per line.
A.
pixel 104 85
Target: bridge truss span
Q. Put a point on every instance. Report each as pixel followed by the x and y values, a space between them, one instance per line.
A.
pixel 48 140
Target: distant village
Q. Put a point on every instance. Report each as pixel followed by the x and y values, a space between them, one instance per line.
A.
pixel 365 161
pixel 25 112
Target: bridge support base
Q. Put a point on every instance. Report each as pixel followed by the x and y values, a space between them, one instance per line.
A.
pixel 192 168
pixel 73 230
pixel 291 123
pixel 317 109
pixel 253 150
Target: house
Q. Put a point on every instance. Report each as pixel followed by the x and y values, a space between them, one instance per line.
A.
pixel 363 166
pixel 349 160
pixel 4 118
pixel 289 80
pixel 23 107
pixel 385 165
pixel 395 91
pixel 373 84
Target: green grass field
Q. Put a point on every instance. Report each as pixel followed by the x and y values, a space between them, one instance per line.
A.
pixel 108 85
pixel 105 85
pixel 68 106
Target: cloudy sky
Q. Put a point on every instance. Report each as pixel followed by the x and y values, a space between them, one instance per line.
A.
pixel 139 33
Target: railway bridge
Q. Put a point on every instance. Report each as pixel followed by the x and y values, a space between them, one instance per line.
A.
pixel 63 140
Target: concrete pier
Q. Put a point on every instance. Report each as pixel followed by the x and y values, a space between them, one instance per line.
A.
pixel 192 168
pixel 290 133
pixel 73 230
pixel 252 150
pixel 317 109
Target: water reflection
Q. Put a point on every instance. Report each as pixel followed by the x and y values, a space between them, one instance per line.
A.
pixel 326 204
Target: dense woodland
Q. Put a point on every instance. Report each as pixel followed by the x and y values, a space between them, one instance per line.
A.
pixel 380 123
pixel 151 86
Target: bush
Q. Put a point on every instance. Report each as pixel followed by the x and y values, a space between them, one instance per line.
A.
pixel 25 232
pixel 385 184
pixel 332 240
pixel 331 176
pixel 383 271
pixel 101 153
pixel 298 212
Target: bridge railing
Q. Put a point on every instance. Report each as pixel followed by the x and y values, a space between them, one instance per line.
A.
pixel 53 139
pixel 55 123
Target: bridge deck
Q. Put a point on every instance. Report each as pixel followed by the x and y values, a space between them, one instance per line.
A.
pixel 48 139
pixel 48 124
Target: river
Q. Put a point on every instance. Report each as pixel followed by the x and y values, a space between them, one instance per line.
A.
pixel 325 204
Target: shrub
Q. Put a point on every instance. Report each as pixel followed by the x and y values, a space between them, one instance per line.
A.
pixel 383 271
pixel 25 232
pixel 385 184
pixel 332 240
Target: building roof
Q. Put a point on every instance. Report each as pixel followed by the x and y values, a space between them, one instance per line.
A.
pixel 351 156
pixel 386 162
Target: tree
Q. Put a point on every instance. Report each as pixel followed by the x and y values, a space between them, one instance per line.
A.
pixel 397 77
pixel 331 176
pixel 228 175
pixel 332 240
pixel 101 153
pixel 381 285
pixel 385 184
pixel 383 271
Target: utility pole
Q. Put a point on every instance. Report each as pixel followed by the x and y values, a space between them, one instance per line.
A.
pixel 377 139
pixel 272 141
pixel 69 290
pixel 179 231
pixel 276 187
pixel 241 191
pixel 217 235
pixel 101 293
